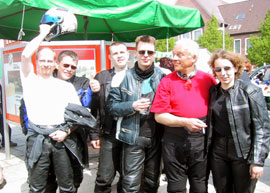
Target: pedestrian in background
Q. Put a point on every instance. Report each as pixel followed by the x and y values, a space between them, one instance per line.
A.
pixel 238 133
pixel 166 63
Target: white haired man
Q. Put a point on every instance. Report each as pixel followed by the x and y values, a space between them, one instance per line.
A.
pixel 180 104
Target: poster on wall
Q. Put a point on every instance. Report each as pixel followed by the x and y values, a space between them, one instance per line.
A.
pixel 13 86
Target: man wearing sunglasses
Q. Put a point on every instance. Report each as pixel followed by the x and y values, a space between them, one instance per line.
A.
pixel 66 69
pixel 67 63
pixel 46 98
pixel 130 101
pixel 181 104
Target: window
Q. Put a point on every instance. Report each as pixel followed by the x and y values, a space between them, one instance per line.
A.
pixel 240 16
pixel 237 46
pixel 247 45
pixel 196 34
pixel 186 36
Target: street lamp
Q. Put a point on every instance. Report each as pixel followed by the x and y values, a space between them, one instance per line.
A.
pixel 222 28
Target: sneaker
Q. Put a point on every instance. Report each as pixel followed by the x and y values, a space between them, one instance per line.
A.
pixel 11 143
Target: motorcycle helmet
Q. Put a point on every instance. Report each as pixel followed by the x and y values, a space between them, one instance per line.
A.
pixel 64 20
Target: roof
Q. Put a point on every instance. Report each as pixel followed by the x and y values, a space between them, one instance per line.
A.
pixel 245 16
pixel 211 7
pixel 206 7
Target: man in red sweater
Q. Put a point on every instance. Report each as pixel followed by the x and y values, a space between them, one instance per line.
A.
pixel 180 104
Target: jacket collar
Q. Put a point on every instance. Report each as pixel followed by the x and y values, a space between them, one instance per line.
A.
pixel 232 89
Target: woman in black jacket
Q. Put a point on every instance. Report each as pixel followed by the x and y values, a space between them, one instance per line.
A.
pixel 238 127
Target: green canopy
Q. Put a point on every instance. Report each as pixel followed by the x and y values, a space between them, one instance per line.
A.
pixel 121 20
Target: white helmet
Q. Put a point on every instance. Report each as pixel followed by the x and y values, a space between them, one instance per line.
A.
pixel 64 20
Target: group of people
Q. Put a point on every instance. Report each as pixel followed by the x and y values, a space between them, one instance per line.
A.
pixel 144 117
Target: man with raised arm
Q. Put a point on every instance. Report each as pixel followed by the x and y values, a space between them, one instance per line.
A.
pixel 46 98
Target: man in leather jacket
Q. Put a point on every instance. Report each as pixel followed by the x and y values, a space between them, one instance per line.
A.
pixel 130 101
pixel 110 152
pixel 66 69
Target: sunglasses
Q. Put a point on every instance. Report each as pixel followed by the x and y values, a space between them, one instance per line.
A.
pixel 68 65
pixel 149 53
pixel 226 68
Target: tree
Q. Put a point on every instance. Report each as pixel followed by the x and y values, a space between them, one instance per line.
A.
pixel 161 45
pixel 258 53
pixel 212 38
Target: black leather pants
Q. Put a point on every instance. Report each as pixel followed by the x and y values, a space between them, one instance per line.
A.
pixel 52 185
pixel 53 154
pixel 141 166
pixel 184 160
pixel 109 163
pixel 230 173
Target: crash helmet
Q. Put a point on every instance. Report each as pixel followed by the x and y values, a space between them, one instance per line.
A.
pixel 64 21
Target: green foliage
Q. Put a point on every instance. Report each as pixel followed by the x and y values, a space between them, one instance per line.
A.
pixel 258 53
pixel 212 38
pixel 161 45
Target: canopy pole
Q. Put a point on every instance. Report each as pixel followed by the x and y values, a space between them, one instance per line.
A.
pixel 21 33
pixel 5 126
pixel 106 23
pixel 86 21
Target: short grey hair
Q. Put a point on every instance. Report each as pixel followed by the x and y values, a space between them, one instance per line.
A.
pixel 190 45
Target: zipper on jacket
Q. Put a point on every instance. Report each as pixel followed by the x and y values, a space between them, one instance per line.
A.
pixel 138 114
pixel 74 155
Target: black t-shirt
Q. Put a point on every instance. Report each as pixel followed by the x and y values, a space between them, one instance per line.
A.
pixel 220 115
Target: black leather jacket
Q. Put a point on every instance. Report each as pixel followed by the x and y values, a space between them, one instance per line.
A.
pixel 248 119
pixel 99 99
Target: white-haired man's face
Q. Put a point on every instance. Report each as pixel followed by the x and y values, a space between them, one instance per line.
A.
pixel 182 59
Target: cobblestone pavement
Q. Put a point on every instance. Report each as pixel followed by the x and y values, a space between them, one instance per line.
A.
pixel 16 174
